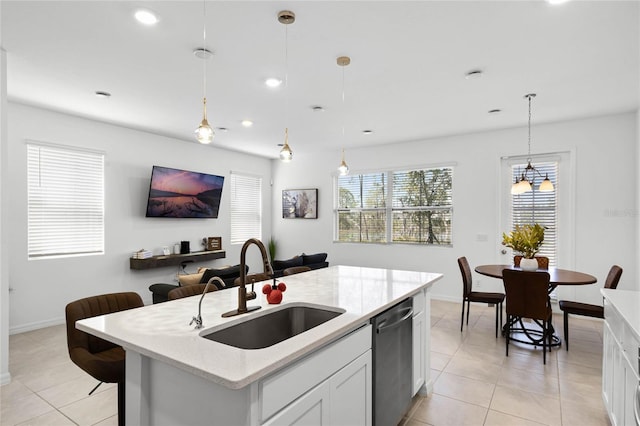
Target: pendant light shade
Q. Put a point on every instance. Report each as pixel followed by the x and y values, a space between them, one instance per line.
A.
pixel 525 182
pixel 343 169
pixel 204 133
pixel 285 153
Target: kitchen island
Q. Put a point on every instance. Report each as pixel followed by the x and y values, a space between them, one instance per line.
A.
pixel 173 375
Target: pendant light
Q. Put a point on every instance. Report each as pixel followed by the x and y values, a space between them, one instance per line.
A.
pixel 204 133
pixel 343 61
pixel 526 181
pixel 286 17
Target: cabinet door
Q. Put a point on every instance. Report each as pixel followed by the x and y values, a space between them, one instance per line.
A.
pixel 419 356
pixel 632 381
pixel 312 408
pixel 351 393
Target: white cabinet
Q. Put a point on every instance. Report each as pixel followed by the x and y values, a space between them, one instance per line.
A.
pixel 331 387
pixel 340 400
pixel 620 377
pixel 421 347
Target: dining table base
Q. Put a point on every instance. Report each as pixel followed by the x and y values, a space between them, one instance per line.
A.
pixel 529 335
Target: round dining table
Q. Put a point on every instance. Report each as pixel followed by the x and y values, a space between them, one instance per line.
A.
pixel 556 277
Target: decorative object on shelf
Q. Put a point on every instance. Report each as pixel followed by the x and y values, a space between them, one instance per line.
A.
pixel 527 240
pixel 274 292
pixel 166 251
pixel 176 248
pixel 300 203
pixel 142 254
pixel 204 132
pixel 185 247
pixel 342 62
pixel 286 17
pixel 214 243
pixel 526 181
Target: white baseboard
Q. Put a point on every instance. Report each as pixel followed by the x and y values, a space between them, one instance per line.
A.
pixel 5 378
pixel 36 325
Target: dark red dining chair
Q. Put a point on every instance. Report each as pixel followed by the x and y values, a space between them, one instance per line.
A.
pixel 468 295
pixel 528 297
pixel 585 309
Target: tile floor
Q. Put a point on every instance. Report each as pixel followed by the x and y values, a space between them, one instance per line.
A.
pixel 474 383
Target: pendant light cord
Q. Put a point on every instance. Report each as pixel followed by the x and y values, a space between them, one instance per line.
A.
pixel 286 74
pixel 529 155
pixel 204 52
pixel 343 111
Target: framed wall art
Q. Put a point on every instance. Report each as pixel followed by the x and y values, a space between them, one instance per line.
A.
pixel 300 203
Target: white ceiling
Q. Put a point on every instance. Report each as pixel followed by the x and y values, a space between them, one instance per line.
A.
pixel 406 80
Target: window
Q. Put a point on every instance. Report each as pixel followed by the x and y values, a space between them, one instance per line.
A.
pixel 246 207
pixel 411 206
pixel 65 197
pixel 538 207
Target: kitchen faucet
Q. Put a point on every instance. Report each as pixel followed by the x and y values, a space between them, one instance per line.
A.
pixel 198 319
pixel 243 295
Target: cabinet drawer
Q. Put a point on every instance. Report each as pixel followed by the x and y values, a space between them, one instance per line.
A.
pixel 613 318
pixel 283 387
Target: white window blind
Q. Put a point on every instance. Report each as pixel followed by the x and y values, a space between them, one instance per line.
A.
pixel 65 201
pixel 422 205
pixel 246 207
pixel 538 207
pixel 361 212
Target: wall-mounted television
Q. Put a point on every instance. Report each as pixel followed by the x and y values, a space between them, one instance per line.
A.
pixel 183 194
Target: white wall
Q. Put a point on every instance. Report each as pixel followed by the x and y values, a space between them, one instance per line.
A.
pixel 5 376
pixel 40 289
pixel 605 192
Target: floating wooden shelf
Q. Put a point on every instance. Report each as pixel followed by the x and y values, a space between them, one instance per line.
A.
pixel 175 259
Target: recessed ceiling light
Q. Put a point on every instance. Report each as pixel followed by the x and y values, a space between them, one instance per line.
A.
pixel 367 132
pixel 247 123
pixel 102 95
pixel 202 53
pixel 222 129
pixel 473 74
pixel 273 82
pixel 317 108
pixel 146 17
pixel 557 1
pixel 495 111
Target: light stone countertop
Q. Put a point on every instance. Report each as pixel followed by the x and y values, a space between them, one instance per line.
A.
pixel 162 331
pixel 627 303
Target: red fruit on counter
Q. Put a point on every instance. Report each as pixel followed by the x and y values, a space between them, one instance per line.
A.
pixel 266 289
pixel 274 297
pixel 282 287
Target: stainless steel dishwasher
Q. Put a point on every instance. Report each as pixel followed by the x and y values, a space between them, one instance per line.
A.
pixel 392 363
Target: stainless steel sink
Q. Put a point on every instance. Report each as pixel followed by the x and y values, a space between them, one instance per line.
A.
pixel 272 327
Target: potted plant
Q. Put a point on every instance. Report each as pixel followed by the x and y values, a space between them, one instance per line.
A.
pixel 526 240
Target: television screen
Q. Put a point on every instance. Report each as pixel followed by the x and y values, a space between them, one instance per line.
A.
pixel 180 193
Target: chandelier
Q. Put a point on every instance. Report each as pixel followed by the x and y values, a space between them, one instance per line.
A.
pixel 525 182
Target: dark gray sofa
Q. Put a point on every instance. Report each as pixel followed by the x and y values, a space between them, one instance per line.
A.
pixel 313 261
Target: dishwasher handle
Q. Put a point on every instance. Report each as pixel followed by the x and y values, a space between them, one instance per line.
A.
pixel 383 326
